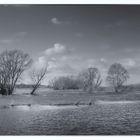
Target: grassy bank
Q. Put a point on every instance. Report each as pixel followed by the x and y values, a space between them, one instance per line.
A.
pixel 66 97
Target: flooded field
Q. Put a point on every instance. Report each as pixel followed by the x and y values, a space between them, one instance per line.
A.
pixel 69 113
pixel 36 119
pixel 70 120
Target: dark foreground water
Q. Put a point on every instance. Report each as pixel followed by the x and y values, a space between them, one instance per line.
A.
pixel 99 119
pixel 36 119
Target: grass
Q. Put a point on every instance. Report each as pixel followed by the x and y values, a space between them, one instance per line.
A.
pixel 66 97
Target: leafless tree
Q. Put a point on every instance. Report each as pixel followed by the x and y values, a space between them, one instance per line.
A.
pixel 65 82
pixel 12 64
pixel 37 75
pixel 117 76
pixel 91 79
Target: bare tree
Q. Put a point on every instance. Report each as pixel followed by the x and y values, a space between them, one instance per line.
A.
pixel 117 76
pixel 91 79
pixel 12 64
pixel 65 82
pixel 37 76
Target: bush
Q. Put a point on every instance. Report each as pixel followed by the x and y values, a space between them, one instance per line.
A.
pixel 65 82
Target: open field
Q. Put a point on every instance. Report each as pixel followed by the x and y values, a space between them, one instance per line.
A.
pixel 66 97
pixel 69 113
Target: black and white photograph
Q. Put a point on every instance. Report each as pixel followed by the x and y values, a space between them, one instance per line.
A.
pixel 69 69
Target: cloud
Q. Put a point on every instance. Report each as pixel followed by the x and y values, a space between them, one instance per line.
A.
pixel 55 21
pixel 41 61
pixel 59 60
pixel 53 56
pixel 103 60
pixel 63 61
pixel 56 49
pixel 129 63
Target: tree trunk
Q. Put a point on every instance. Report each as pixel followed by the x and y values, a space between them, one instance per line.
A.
pixel 3 91
pixel 116 89
pixel 33 91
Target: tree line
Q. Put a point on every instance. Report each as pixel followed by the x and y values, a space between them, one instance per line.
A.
pixel 14 62
pixel 90 79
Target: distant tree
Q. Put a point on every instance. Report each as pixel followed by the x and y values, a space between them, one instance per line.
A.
pixel 91 79
pixel 65 82
pixel 37 76
pixel 12 64
pixel 117 76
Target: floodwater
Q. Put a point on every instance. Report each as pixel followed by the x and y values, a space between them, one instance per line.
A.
pixel 32 120
pixel 101 118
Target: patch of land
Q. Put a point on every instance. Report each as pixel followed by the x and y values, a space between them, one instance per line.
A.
pixel 65 97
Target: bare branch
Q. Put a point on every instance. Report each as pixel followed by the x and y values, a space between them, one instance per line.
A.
pixel 12 64
pixel 37 77
pixel 91 79
pixel 117 76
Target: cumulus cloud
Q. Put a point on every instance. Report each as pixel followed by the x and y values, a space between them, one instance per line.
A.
pixel 62 61
pixel 56 49
pixel 55 21
pixel 129 62
pixel 55 58
pixel 41 61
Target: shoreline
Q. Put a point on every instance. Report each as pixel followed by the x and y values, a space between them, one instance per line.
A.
pixel 99 102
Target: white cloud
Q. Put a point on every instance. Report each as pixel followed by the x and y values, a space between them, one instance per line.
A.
pixel 130 63
pixel 103 60
pixel 55 21
pixel 55 57
pixel 56 49
pixel 42 60
pixel 52 65
pixel 62 61
pixel 59 59
pixel 40 63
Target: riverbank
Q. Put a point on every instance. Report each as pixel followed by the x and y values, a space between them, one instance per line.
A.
pixel 66 97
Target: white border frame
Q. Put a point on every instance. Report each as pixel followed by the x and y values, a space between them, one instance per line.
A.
pixel 69 2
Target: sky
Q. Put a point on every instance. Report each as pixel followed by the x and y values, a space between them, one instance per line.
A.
pixel 71 38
